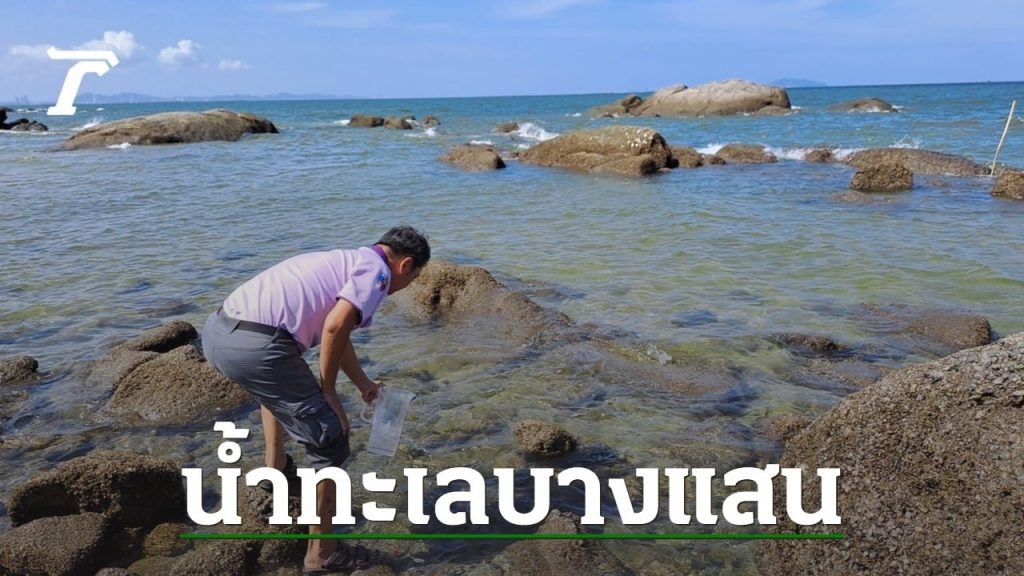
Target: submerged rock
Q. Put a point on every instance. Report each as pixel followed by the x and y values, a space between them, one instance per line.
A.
pixel 506 127
pixel 864 105
pixel 885 177
pixel 171 128
pixel 129 489
pixel 561 557
pixel 917 161
pixel 929 454
pixel 543 439
pixel 18 370
pixel 746 154
pixel 474 157
pixel 70 545
pixel 951 330
pixel 626 150
pixel 1009 184
pixel 431 120
pixel 812 344
pixel 712 99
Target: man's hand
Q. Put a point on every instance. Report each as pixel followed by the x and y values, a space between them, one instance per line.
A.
pixel 340 412
pixel 372 391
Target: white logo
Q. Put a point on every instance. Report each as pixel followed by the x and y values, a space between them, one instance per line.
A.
pixel 96 61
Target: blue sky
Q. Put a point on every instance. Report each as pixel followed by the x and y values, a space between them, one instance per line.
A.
pixel 445 48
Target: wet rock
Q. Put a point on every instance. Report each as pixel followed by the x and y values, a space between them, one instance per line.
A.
pixel 625 150
pixel 746 154
pixel 1009 184
pixel 115 572
pixel 115 365
pixel 18 370
pixel 60 546
pixel 171 128
pixel 164 338
pixel 713 99
pixel 917 161
pixel 3 115
pixel 164 541
pixel 809 344
pixel 772 110
pixel 929 454
pixel 543 439
pixel 696 317
pixel 178 387
pixel 623 107
pixel 431 120
pixel 26 125
pixel 396 123
pixel 821 156
pixel 365 121
pixel 855 197
pixel 152 566
pixel 885 177
pixel 686 157
pixel 474 157
pixel 864 105
pixel 712 160
pixel 231 558
pixel 952 330
pixel 506 127
pixel 130 489
pixel 561 557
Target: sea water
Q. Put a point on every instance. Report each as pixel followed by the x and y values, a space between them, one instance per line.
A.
pixel 692 267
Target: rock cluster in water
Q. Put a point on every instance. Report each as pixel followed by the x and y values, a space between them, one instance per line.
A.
pixel 864 105
pixel 171 128
pixel 720 98
pixel 393 122
pixel 20 125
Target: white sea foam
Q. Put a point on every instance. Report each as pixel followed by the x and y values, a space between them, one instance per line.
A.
pixel 24 110
pixel 484 142
pixel 711 148
pixel 531 131
pixel 797 107
pixel 342 122
pixel 907 142
pixel 121 146
pixel 96 121
pixel 522 146
pixel 430 132
pixel 790 153
pixel 574 114
pixel 100 109
pixel 843 153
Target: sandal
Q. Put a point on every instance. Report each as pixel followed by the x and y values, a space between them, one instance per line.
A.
pixel 346 559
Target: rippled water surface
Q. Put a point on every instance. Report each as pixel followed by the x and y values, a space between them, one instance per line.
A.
pixel 693 267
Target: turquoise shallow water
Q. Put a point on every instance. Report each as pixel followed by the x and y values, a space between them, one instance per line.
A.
pixel 696 264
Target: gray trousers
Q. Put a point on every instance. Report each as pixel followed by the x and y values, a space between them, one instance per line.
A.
pixel 271 368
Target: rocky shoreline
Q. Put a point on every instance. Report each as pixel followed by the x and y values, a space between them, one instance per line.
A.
pixel 121 511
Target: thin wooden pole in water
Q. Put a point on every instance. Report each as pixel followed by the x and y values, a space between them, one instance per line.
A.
pixel 992 170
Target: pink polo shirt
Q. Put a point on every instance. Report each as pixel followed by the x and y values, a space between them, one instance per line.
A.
pixel 297 294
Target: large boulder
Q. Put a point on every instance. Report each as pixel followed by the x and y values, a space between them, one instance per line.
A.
pixel 474 157
pixel 539 438
pixel 746 154
pixel 171 128
pixel 931 457
pixel 1009 184
pixel 163 338
pixel 365 121
pixel 864 105
pixel 686 157
pixel 396 123
pixel 917 161
pixel 623 107
pixel 626 150
pixel 61 546
pixel 885 177
pixel 721 98
pixel 18 370
pixel 130 489
pixel 232 558
pixel 179 387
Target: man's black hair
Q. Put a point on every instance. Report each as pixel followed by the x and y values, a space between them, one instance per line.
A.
pixel 407 241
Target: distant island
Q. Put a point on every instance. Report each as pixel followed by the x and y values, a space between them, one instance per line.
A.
pixel 797 83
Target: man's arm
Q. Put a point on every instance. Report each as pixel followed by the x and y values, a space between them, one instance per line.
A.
pixel 336 351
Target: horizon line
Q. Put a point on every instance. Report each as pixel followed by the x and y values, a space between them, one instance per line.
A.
pixel 326 97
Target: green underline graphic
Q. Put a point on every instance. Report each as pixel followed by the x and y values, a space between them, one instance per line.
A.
pixel 500 536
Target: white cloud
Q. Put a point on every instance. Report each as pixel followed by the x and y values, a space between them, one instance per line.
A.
pixel 36 52
pixel 296 7
pixel 185 52
pixel 230 64
pixel 537 9
pixel 122 43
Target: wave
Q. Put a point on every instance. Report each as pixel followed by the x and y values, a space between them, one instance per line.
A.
pixel 96 121
pixel 531 131
pixel 100 109
pixel 25 110
pixel 483 142
pixel 121 146
pixel 711 148
pixel 907 142
pixel 430 132
pixel 342 122
pixel 574 114
pixel 800 153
